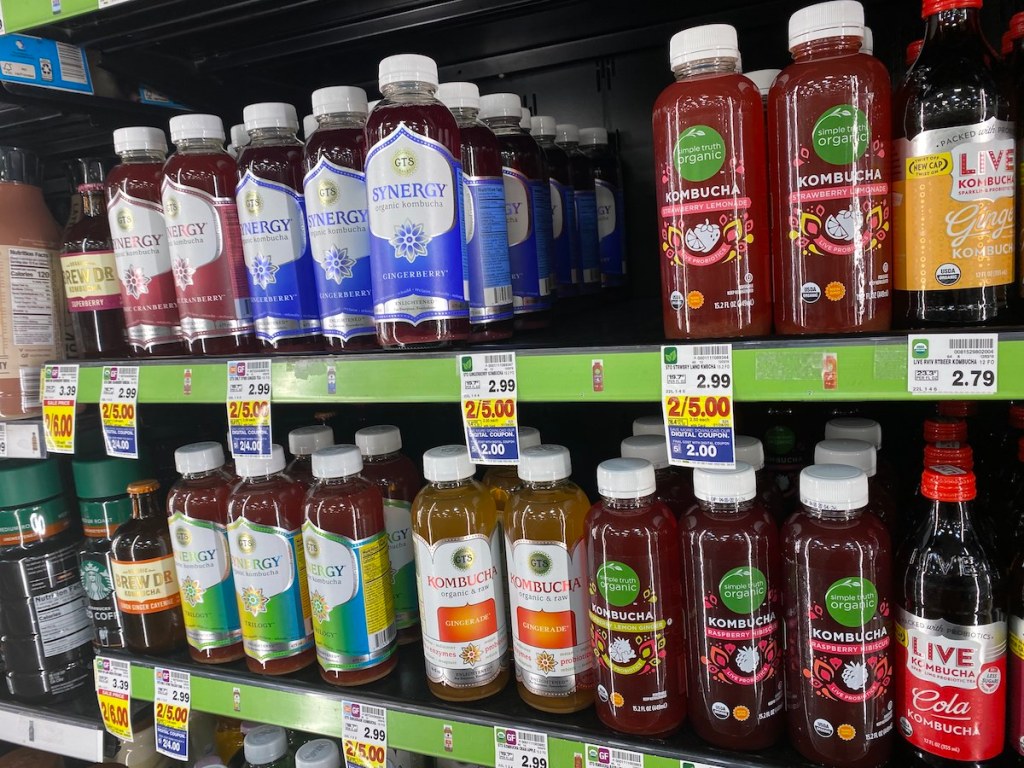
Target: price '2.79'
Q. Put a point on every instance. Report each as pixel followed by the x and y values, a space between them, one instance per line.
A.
pixel 973 378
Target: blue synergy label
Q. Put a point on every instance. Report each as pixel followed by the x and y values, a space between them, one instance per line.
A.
pixel 561 239
pixel 529 241
pixel 417 244
pixel 339 233
pixel 586 225
pixel 272 217
pixel 488 273
pixel 609 229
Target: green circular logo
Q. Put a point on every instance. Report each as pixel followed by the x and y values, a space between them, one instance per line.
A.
pixel 841 135
pixel 852 601
pixel 618 583
pixel 540 563
pixel 699 153
pixel 743 589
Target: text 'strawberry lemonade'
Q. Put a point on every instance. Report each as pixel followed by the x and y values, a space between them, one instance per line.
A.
pixel 414 190
pixel 458 545
pixel 564 234
pixel 581 173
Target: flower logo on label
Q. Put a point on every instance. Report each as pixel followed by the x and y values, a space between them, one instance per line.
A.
pixel 704 237
pixel 337 264
pixel 183 272
pixel 136 281
pixel 125 220
pixel 95 580
pixel 410 241
pixel 192 591
pixel 621 652
pixel 319 608
pixel 545 662
pixel 470 654
pixel 254 601
pixel 263 271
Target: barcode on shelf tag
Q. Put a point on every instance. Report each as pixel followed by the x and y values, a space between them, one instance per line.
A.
pixel 364 735
pixel 60 398
pixel 696 389
pixel 515 748
pixel 490 407
pixel 953 364
pixel 119 394
pixel 610 757
pixel 172 702
pixel 114 694
pixel 248 402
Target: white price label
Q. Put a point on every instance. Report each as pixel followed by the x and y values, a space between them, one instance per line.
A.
pixel 114 693
pixel 171 705
pixel 60 397
pixel 249 407
pixel 952 364
pixel 696 389
pixel 490 406
pixel 514 748
pixel 119 395
pixel 364 735
pixel 610 757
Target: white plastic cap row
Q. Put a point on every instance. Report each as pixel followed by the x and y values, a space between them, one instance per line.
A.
pixel 198 457
pixel 139 138
pixel 710 41
pixel 407 68
pixel 833 487
pixel 853 453
pixel 339 99
pixel 567 133
pixel 544 463
pixel 337 461
pixel 459 95
pixel 725 486
pixel 625 478
pixel 306 441
pixel 854 428
pixel 379 440
pixel 593 137
pixel 763 79
pixel 652 448
pixel 261 466
pixel 543 125
pixel 501 105
pixel 270 114
pixel 196 127
pixel 839 18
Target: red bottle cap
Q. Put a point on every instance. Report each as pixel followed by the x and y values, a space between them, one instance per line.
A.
pixel 944 429
pixel 946 483
pixel 957 409
pixel 1017 26
pixel 1017 409
pixel 914 50
pixel 953 454
pixel 931 7
pixel 1006 45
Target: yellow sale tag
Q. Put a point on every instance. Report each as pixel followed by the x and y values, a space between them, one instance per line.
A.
pixel 60 395
pixel 365 735
pixel 699 410
pixel 114 694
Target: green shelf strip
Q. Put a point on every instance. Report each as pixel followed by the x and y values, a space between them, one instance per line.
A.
pixel 23 15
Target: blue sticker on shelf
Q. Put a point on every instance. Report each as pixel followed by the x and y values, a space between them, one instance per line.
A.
pixel 156 99
pixel 44 63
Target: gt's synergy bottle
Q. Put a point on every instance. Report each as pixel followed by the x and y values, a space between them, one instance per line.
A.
pixel 414 188
pixel 712 192
pixel 565 246
pixel 581 173
pixel 611 205
pixel 303 442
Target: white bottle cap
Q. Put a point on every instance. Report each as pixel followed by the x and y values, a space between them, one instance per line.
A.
pixel 839 18
pixel 500 105
pixel 855 428
pixel 337 461
pixel 524 118
pixel 270 114
pixel 139 138
pixel 763 79
pixel 198 457
pixel 239 136
pixel 750 451
pixel 196 127
pixel 407 68
pixel 711 41
pixel 593 136
pixel 543 125
pixel 380 440
pixel 529 437
pixel 265 744
pixel 853 453
pixel 371 104
pixel 649 425
pixel 725 486
pixel 836 487
pixel 339 99
pixel 567 133
pixel 868 46
pixel 447 463
pixel 653 448
pixel 544 463
pixel 318 753
pixel 306 441
pixel 261 466
pixel 625 478
pixel 309 125
pixel 459 95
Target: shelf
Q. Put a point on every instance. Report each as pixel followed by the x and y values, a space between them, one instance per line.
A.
pixel 72 729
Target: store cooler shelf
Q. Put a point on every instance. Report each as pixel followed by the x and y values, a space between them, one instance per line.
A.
pixel 72 728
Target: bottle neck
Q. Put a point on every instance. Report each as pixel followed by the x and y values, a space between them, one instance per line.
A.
pixel 464 482
pixel 952 517
pixel 334 481
pixel 145 506
pixel 465 115
pixel 628 505
pixel 544 485
pixel 953 23
pixel 834 515
pixel 715 66
pixel 726 508
pixel 545 141
pixel 504 124
pixel 93 203
pixel 341 120
pixel 408 92
pixel 202 475
pixel 197 146
pixel 827 46
pixel 569 146
pixel 135 156
pixel 377 458
pixel 273 136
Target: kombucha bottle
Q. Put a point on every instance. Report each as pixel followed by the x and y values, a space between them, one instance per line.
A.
pixel 861 454
pixel 675 484
pixel 581 172
pixel 611 207
pixel 565 245
pixel 649 425
pixel 302 444
pixel 502 480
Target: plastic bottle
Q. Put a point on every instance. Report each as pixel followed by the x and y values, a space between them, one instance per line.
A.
pixel 675 484
pixel 461 588
pixel 87 260
pixel 912 52
pixel 336 215
pixel 239 139
pixel 488 273
pixel 951 106
pixel 731 572
pixel 581 173
pixel 611 208
pixel 839 673
pixel 348 571
pixel 636 610
pixel 399 481
pixel 309 127
pixel 269 563
pixel 951 626
pixel 272 215
pixel 267 747
pixel 830 112
pixel 547 583
pixel 565 247
pixel 712 192
pixel 870 431
pixel 861 454
pixel 501 479
pixel 145 581
pixel 750 451
pixel 197 509
pixel 139 238
pixel 318 753
pixel 527 210
pixel 198 195
pixel 303 442
pixel 649 425
pixel 867 45
pixel 763 79
pixel 423 233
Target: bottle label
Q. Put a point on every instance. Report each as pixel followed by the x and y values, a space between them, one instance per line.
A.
pixel 586 223
pixel 528 250
pixel 143 260
pixel 145 586
pixel 416 235
pixel 101 604
pixel 462 609
pixel 282 286
pixel 207 263
pixel 953 691
pixel 350 599
pixel 21 526
pixel 273 596
pixel 609 228
pixel 398 522
pixel 561 243
pixel 547 587
pixel 1016 735
pixel 90 281
pixel 489 276
pixel 28 321
pixel 336 215
pixel 207 589
pixel 954 200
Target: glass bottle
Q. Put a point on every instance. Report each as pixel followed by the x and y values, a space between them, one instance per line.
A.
pixel 581 173
pixel 565 242
pixel 611 205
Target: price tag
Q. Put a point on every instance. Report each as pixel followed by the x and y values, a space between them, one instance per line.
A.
pixel 609 757
pixel 952 364
pixel 60 395
pixel 490 411
pixel 249 407
pixel 171 705
pixel 696 387
pixel 514 748
pixel 3 440
pixel 364 735
pixel 118 397
pixel 114 693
